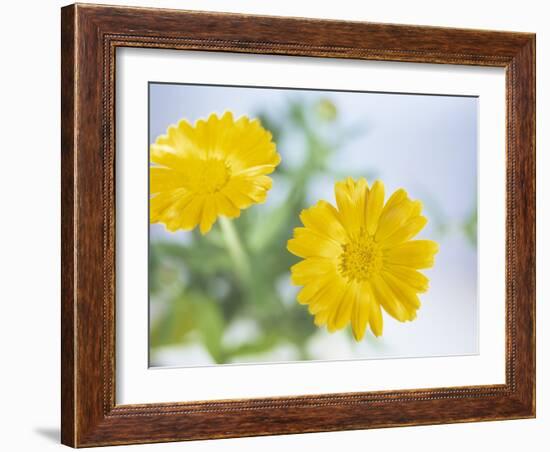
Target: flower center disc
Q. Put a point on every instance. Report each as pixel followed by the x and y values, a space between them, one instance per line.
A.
pixel 361 259
pixel 209 176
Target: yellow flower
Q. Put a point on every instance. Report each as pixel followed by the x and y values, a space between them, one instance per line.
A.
pixel 217 167
pixel 359 257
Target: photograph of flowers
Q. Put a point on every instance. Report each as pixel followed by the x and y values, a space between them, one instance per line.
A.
pixel 303 225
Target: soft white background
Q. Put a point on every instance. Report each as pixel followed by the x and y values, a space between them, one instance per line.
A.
pixel 29 393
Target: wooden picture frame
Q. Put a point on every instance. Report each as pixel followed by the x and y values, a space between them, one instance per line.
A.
pixel 90 36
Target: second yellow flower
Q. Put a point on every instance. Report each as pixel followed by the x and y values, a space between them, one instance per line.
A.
pixel 359 257
pixel 215 168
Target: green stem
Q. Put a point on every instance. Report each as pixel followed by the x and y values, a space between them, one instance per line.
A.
pixel 235 249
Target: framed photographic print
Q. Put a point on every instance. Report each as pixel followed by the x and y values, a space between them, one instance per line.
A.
pixel 282 225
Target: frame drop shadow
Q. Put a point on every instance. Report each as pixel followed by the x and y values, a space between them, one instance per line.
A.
pixel 50 433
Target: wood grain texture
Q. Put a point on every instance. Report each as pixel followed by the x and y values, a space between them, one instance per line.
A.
pixel 90 36
pixel 67 225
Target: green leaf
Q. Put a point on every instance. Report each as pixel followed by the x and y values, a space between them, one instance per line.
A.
pixel 211 324
pixel 261 345
pixel 470 226
pixel 199 256
pixel 190 312
pixel 275 227
pixel 174 323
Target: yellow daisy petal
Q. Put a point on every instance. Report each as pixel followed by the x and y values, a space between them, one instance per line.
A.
pixel 241 199
pixel 323 219
pixel 192 214
pixel 351 199
pixel 258 170
pixel 392 219
pixel 245 141
pixel 162 204
pixel 340 315
pixel 164 179
pixel 417 209
pixel 404 293
pixel 375 203
pixel 329 296
pixel 376 322
pixel 416 254
pixel 310 269
pixel 359 197
pixel 396 197
pixel 309 291
pixel 221 161
pixel 410 276
pixel 388 300
pixel 208 215
pixel 255 188
pixel 321 318
pixel 226 206
pixel 360 310
pixel 179 140
pixel 405 232
pixel 166 156
pixel 308 243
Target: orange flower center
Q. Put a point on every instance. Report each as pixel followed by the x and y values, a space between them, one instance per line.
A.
pixel 361 259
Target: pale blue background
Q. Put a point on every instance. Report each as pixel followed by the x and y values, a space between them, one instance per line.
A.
pixel 424 143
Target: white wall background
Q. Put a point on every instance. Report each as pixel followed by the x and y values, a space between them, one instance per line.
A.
pixel 29 103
